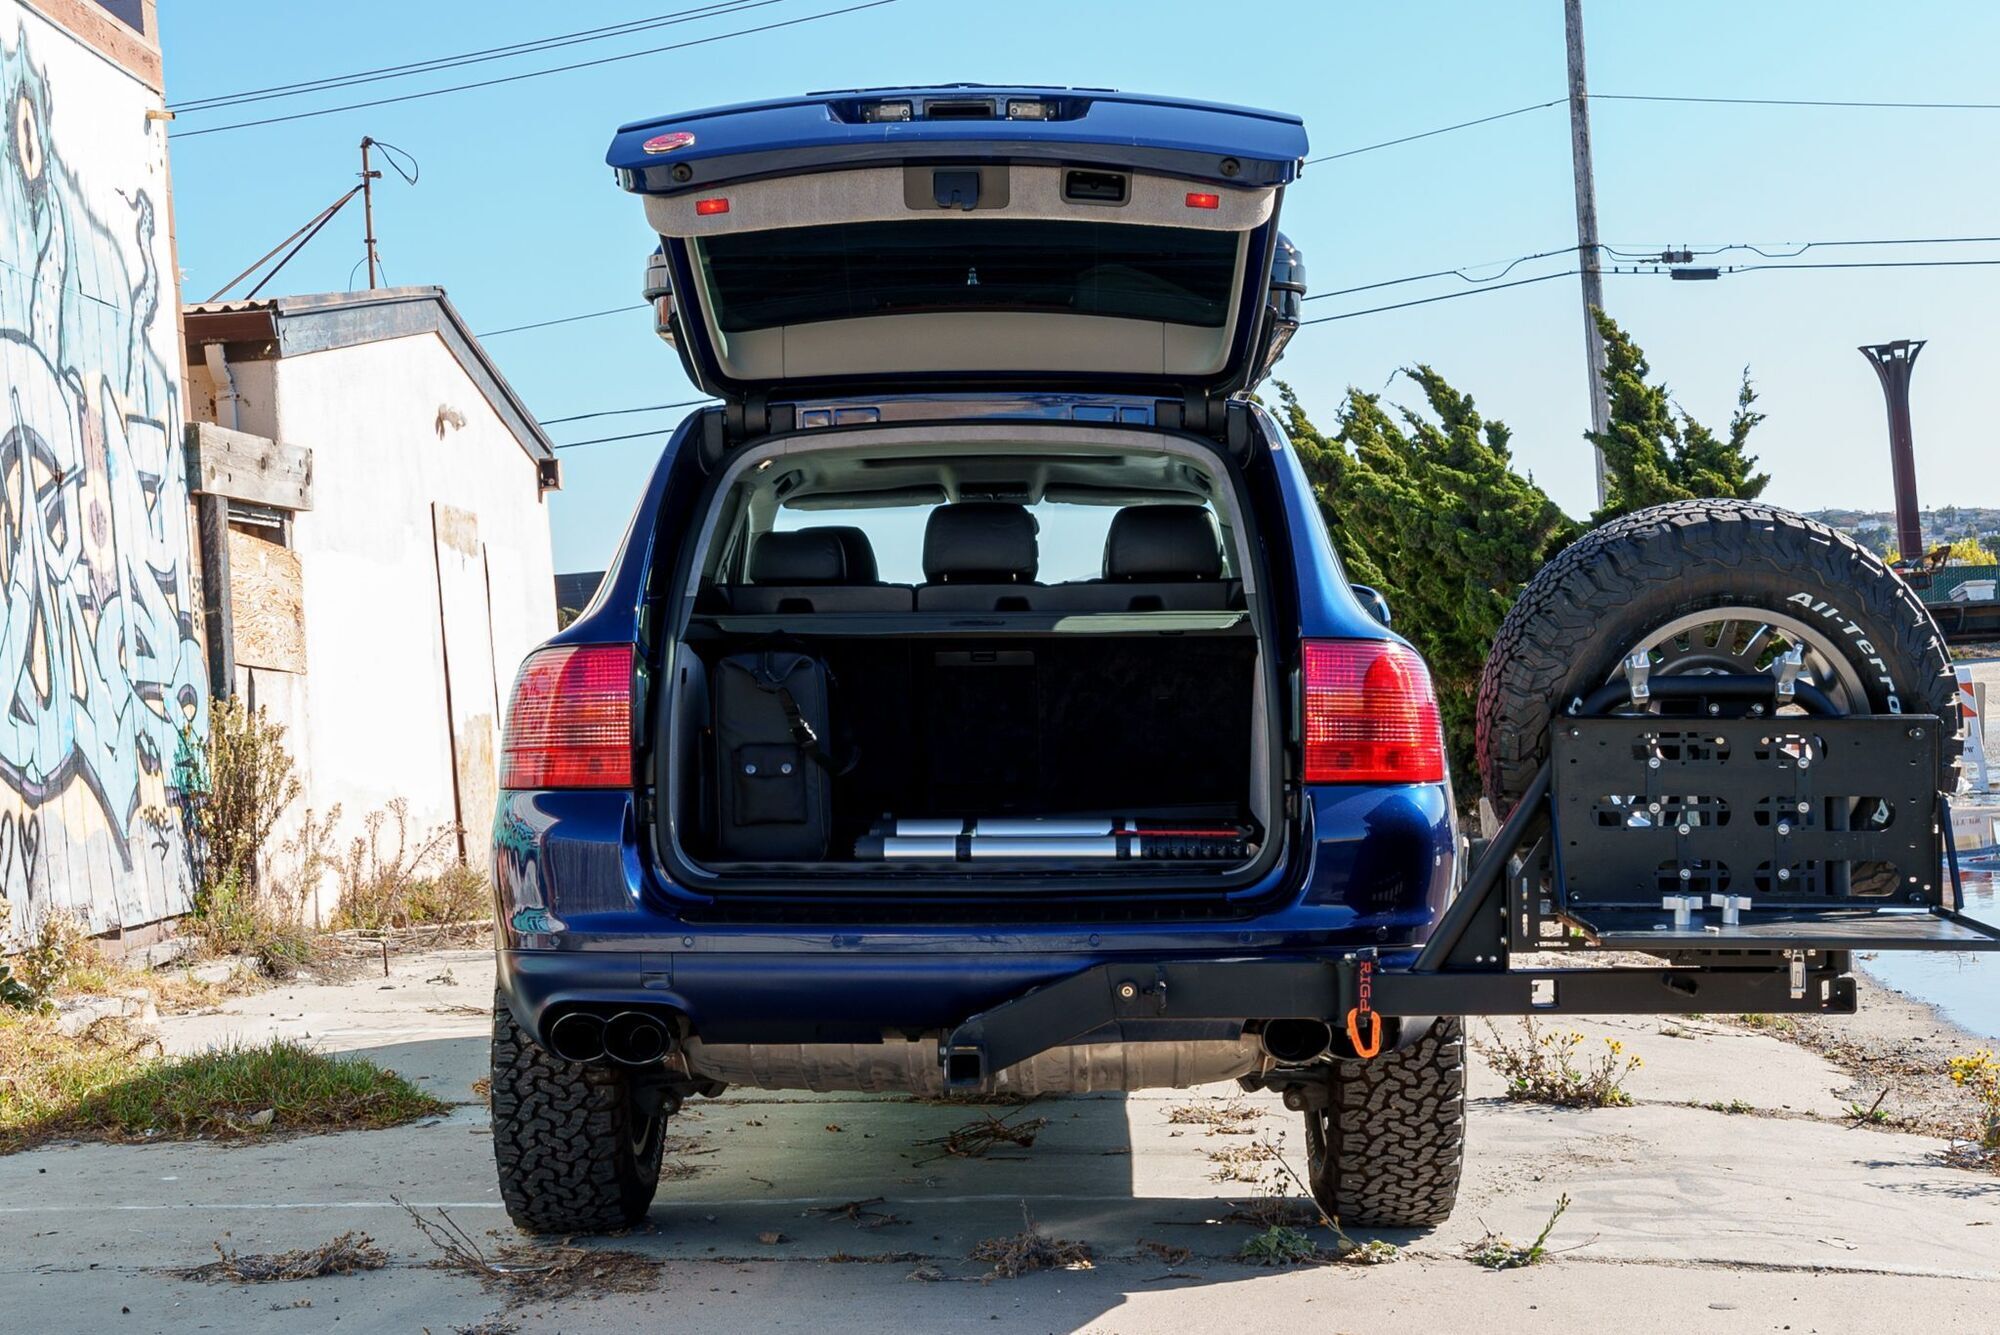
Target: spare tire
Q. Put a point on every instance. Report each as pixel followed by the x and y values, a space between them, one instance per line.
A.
pixel 1706 586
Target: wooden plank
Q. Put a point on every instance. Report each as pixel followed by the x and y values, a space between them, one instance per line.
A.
pixel 250 468
pixel 267 604
pixel 217 613
pixel 472 712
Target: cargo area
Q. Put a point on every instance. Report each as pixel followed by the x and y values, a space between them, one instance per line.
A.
pixel 1080 732
pixel 878 679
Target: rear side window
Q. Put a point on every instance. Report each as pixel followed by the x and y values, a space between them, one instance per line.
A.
pixel 804 274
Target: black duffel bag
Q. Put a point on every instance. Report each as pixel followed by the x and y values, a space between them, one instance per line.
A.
pixel 774 792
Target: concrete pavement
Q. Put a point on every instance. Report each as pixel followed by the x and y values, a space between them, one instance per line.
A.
pixel 1680 1216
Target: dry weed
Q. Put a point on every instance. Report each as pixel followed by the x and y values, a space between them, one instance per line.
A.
pixel 1234 1118
pixel 533 1272
pixel 976 1138
pixel 1030 1250
pixel 344 1255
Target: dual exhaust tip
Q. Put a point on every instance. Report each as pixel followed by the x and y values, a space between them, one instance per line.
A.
pixel 630 1038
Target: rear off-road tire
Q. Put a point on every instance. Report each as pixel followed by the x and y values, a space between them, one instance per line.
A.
pixel 1611 589
pixel 576 1149
pixel 1388 1149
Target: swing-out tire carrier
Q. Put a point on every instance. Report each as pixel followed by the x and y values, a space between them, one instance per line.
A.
pixel 1643 804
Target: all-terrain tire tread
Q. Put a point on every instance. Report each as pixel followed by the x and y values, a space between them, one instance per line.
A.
pixel 561 1139
pixel 1389 1150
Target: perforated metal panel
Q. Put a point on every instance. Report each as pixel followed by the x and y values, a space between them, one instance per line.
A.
pixel 1794 811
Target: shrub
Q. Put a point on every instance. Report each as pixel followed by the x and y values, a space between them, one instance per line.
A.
pixel 1980 1073
pixel 59 946
pixel 1279 1245
pixel 231 920
pixel 1550 1068
pixel 397 882
pixel 14 994
pixel 247 780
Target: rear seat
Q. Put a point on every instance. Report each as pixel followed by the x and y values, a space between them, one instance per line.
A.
pixel 1157 558
pixel 829 569
pixel 980 556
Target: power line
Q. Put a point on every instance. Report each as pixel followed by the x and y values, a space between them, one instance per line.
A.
pixel 536 74
pixel 454 61
pixel 1801 247
pixel 1865 264
pixel 1797 102
pixel 1662 97
pixel 622 412
pixel 564 319
pixel 1448 296
pixel 1459 272
pixel 605 440
pixel 1442 129
pixel 1657 269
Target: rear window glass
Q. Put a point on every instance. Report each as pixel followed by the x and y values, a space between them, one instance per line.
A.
pixel 1070 538
pixel 803 274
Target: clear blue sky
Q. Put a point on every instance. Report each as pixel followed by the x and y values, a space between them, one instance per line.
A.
pixel 517 216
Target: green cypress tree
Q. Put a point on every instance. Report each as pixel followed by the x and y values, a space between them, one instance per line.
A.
pixel 1656 452
pixel 1428 509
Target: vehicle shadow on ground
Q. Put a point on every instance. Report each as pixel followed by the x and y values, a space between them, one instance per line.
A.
pixel 1159 1180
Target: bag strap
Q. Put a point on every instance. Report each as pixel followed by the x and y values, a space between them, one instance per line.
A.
pixel 767 678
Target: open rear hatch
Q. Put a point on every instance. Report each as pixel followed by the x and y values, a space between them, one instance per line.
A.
pixel 960 238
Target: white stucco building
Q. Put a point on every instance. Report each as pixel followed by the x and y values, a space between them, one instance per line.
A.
pixel 371 497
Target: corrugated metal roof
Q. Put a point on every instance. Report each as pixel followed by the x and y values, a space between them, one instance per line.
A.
pixel 322 321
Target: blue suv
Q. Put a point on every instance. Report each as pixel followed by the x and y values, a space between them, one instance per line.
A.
pixel 985 635
pixel 975 702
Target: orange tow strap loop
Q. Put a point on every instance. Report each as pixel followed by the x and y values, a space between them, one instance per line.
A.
pixel 1373 1044
pixel 1365 1010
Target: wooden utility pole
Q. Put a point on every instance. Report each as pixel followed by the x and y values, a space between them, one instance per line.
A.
pixel 1586 229
pixel 368 179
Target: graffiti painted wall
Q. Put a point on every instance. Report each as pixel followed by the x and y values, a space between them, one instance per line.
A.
pixel 100 671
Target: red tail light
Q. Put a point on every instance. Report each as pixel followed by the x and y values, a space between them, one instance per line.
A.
pixel 569 724
pixel 1371 715
pixel 1201 199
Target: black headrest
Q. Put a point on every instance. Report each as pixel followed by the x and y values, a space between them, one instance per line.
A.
pixel 804 556
pixel 980 542
pixel 859 551
pixel 1162 543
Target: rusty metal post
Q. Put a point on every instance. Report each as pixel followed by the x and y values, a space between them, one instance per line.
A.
pixel 1893 363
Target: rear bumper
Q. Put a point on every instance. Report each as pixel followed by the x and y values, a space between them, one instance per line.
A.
pixel 988 1014
pixel 587 920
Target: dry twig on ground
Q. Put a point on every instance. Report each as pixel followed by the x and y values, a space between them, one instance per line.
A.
pixel 976 1138
pixel 531 1271
pixel 862 1214
pixel 1030 1250
pixel 1234 1118
pixel 342 1256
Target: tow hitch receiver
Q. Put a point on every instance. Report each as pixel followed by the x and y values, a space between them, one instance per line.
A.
pixel 1748 851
